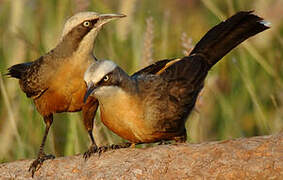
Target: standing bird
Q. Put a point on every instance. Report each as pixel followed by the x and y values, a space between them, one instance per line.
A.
pixel 155 102
pixel 55 81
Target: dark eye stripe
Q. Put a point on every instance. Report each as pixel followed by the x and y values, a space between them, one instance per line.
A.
pixel 71 41
pixel 102 82
pixel 94 21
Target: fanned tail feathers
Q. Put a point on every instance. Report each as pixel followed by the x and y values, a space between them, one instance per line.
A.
pixel 222 38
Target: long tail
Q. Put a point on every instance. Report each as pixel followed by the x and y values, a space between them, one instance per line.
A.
pixel 16 71
pixel 222 38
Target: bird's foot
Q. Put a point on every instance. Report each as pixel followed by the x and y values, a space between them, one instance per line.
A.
pixel 36 164
pixel 94 149
pixel 120 146
pixel 91 150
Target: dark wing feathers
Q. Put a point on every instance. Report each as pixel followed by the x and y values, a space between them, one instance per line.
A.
pixel 29 74
pixel 185 79
pixel 33 83
pixel 192 69
pixel 17 70
pixel 170 96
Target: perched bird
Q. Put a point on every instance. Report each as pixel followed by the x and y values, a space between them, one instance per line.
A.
pixel 155 102
pixel 55 80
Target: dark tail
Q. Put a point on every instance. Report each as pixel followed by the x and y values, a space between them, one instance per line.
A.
pixel 222 38
pixel 16 71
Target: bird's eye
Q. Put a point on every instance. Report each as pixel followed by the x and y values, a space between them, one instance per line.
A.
pixel 106 78
pixel 86 24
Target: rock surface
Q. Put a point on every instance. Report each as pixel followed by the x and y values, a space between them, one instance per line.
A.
pixel 245 158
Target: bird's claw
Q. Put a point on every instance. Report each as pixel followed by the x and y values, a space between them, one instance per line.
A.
pixel 92 149
pixel 36 164
pixel 100 150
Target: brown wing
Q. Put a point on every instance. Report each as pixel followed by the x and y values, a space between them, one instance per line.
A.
pixel 32 82
pixel 184 80
pixel 191 69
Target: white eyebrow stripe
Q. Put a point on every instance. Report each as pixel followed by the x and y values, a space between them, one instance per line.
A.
pixel 76 20
pixel 95 74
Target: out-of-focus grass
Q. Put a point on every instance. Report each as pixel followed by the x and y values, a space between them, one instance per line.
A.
pixel 243 95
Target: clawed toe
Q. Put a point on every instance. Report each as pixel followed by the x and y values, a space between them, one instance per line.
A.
pixel 120 146
pixel 100 150
pixel 103 149
pixel 93 149
pixel 36 164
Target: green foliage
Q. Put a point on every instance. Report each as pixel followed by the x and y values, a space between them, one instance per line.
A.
pixel 243 92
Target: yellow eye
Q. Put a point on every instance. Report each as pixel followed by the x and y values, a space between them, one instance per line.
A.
pixel 86 24
pixel 106 78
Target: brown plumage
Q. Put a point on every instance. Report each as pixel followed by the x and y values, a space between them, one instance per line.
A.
pixel 155 102
pixel 55 80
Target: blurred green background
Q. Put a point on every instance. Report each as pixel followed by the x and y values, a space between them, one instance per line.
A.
pixel 243 95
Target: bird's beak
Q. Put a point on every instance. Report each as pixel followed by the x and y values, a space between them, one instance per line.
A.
pixel 105 18
pixel 90 88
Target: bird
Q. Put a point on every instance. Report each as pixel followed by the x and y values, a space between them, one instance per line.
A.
pixel 154 103
pixel 55 81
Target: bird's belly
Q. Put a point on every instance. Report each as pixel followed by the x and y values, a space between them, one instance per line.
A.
pixel 124 116
pixel 124 121
pixel 77 95
pixel 66 87
pixel 60 100
pixel 129 124
pixel 64 95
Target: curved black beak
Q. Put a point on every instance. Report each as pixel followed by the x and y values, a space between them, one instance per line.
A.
pixel 90 88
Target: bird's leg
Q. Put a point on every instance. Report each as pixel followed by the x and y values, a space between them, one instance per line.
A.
pixel 92 149
pixel 41 157
pixel 89 111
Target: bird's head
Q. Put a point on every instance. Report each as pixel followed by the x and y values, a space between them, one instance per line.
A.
pixel 80 31
pixel 104 78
